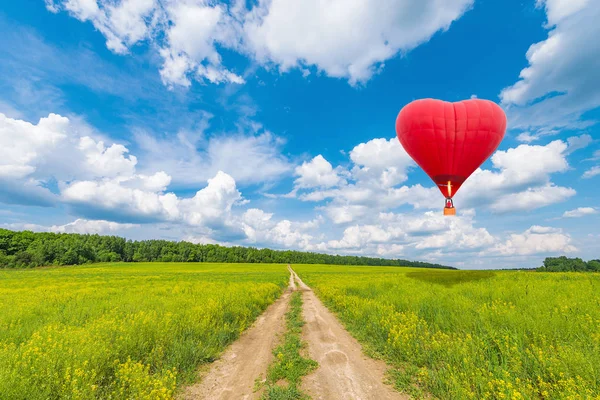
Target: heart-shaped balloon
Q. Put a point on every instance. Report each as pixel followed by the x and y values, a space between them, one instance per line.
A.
pixel 450 140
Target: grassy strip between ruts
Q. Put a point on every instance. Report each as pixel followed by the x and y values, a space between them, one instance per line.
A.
pixel 288 368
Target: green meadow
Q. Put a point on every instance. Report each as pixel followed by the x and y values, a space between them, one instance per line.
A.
pixel 142 330
pixel 123 331
pixel 472 334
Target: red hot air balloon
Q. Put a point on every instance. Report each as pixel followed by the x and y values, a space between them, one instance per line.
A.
pixel 449 141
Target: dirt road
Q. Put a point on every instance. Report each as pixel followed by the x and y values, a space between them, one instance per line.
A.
pixel 233 375
pixel 344 372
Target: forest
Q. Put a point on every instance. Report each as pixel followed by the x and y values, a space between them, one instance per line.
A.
pixel 26 249
pixel 565 264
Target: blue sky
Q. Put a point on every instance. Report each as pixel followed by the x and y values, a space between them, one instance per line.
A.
pixel 271 123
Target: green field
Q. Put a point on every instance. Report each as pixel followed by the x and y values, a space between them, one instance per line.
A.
pixel 463 334
pixel 123 331
pixel 141 330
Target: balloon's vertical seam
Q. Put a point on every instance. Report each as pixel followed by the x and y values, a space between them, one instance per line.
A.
pixel 465 135
pixel 453 169
pixel 437 148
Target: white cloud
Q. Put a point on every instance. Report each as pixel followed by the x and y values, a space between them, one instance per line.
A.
pixel 590 173
pixel 212 205
pixel 390 233
pixel 144 198
pixel 90 226
pixel 536 240
pixel 579 142
pixel 532 198
pixel 106 161
pixel 358 236
pixel 519 181
pixel 351 202
pixel 529 164
pixel 191 158
pixel 261 229
pixel 193 31
pixel 318 172
pixel 345 213
pixel 111 196
pixel 522 181
pixel 83 226
pixel 457 234
pixel 369 185
pixel 384 162
pixel 559 85
pixel 344 38
pixel 54 147
pixel 186 33
pixel 348 39
pixel 100 181
pixel 22 142
pixel 580 212
pixel 123 24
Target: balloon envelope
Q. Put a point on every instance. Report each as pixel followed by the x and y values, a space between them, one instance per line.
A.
pixel 449 141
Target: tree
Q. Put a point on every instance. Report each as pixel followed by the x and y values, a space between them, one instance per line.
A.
pixel 593 265
pixel 564 264
pixel 29 249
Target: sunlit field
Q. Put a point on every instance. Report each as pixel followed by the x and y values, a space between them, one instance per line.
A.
pixel 123 331
pixel 480 335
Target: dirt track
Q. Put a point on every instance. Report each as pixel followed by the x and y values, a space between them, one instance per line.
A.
pixel 233 375
pixel 344 372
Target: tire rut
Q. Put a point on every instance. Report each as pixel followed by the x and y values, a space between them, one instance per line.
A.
pixel 234 374
pixel 344 371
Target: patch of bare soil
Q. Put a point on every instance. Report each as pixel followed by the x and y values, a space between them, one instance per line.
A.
pixel 233 375
pixel 344 371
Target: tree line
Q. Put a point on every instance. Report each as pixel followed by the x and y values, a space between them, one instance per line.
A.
pixel 565 264
pixel 25 249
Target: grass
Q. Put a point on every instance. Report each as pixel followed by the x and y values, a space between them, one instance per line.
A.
pixel 472 335
pixel 123 331
pixel 285 373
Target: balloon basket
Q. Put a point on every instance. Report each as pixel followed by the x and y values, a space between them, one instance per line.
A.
pixel 449 211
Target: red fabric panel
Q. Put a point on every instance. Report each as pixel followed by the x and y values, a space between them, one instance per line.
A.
pixel 449 141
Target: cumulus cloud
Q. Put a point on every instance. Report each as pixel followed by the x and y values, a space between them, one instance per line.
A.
pixel 83 226
pixel 56 148
pixel 392 233
pixel 348 39
pixel 559 84
pixel 191 157
pixel 193 30
pixel 370 184
pixel 536 240
pixel 344 38
pixel 143 198
pixel 317 172
pixel 532 198
pixel 123 24
pixel 120 201
pixel 262 230
pixel 90 226
pixel 580 212
pixel 382 161
pixel 100 181
pixel 521 180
